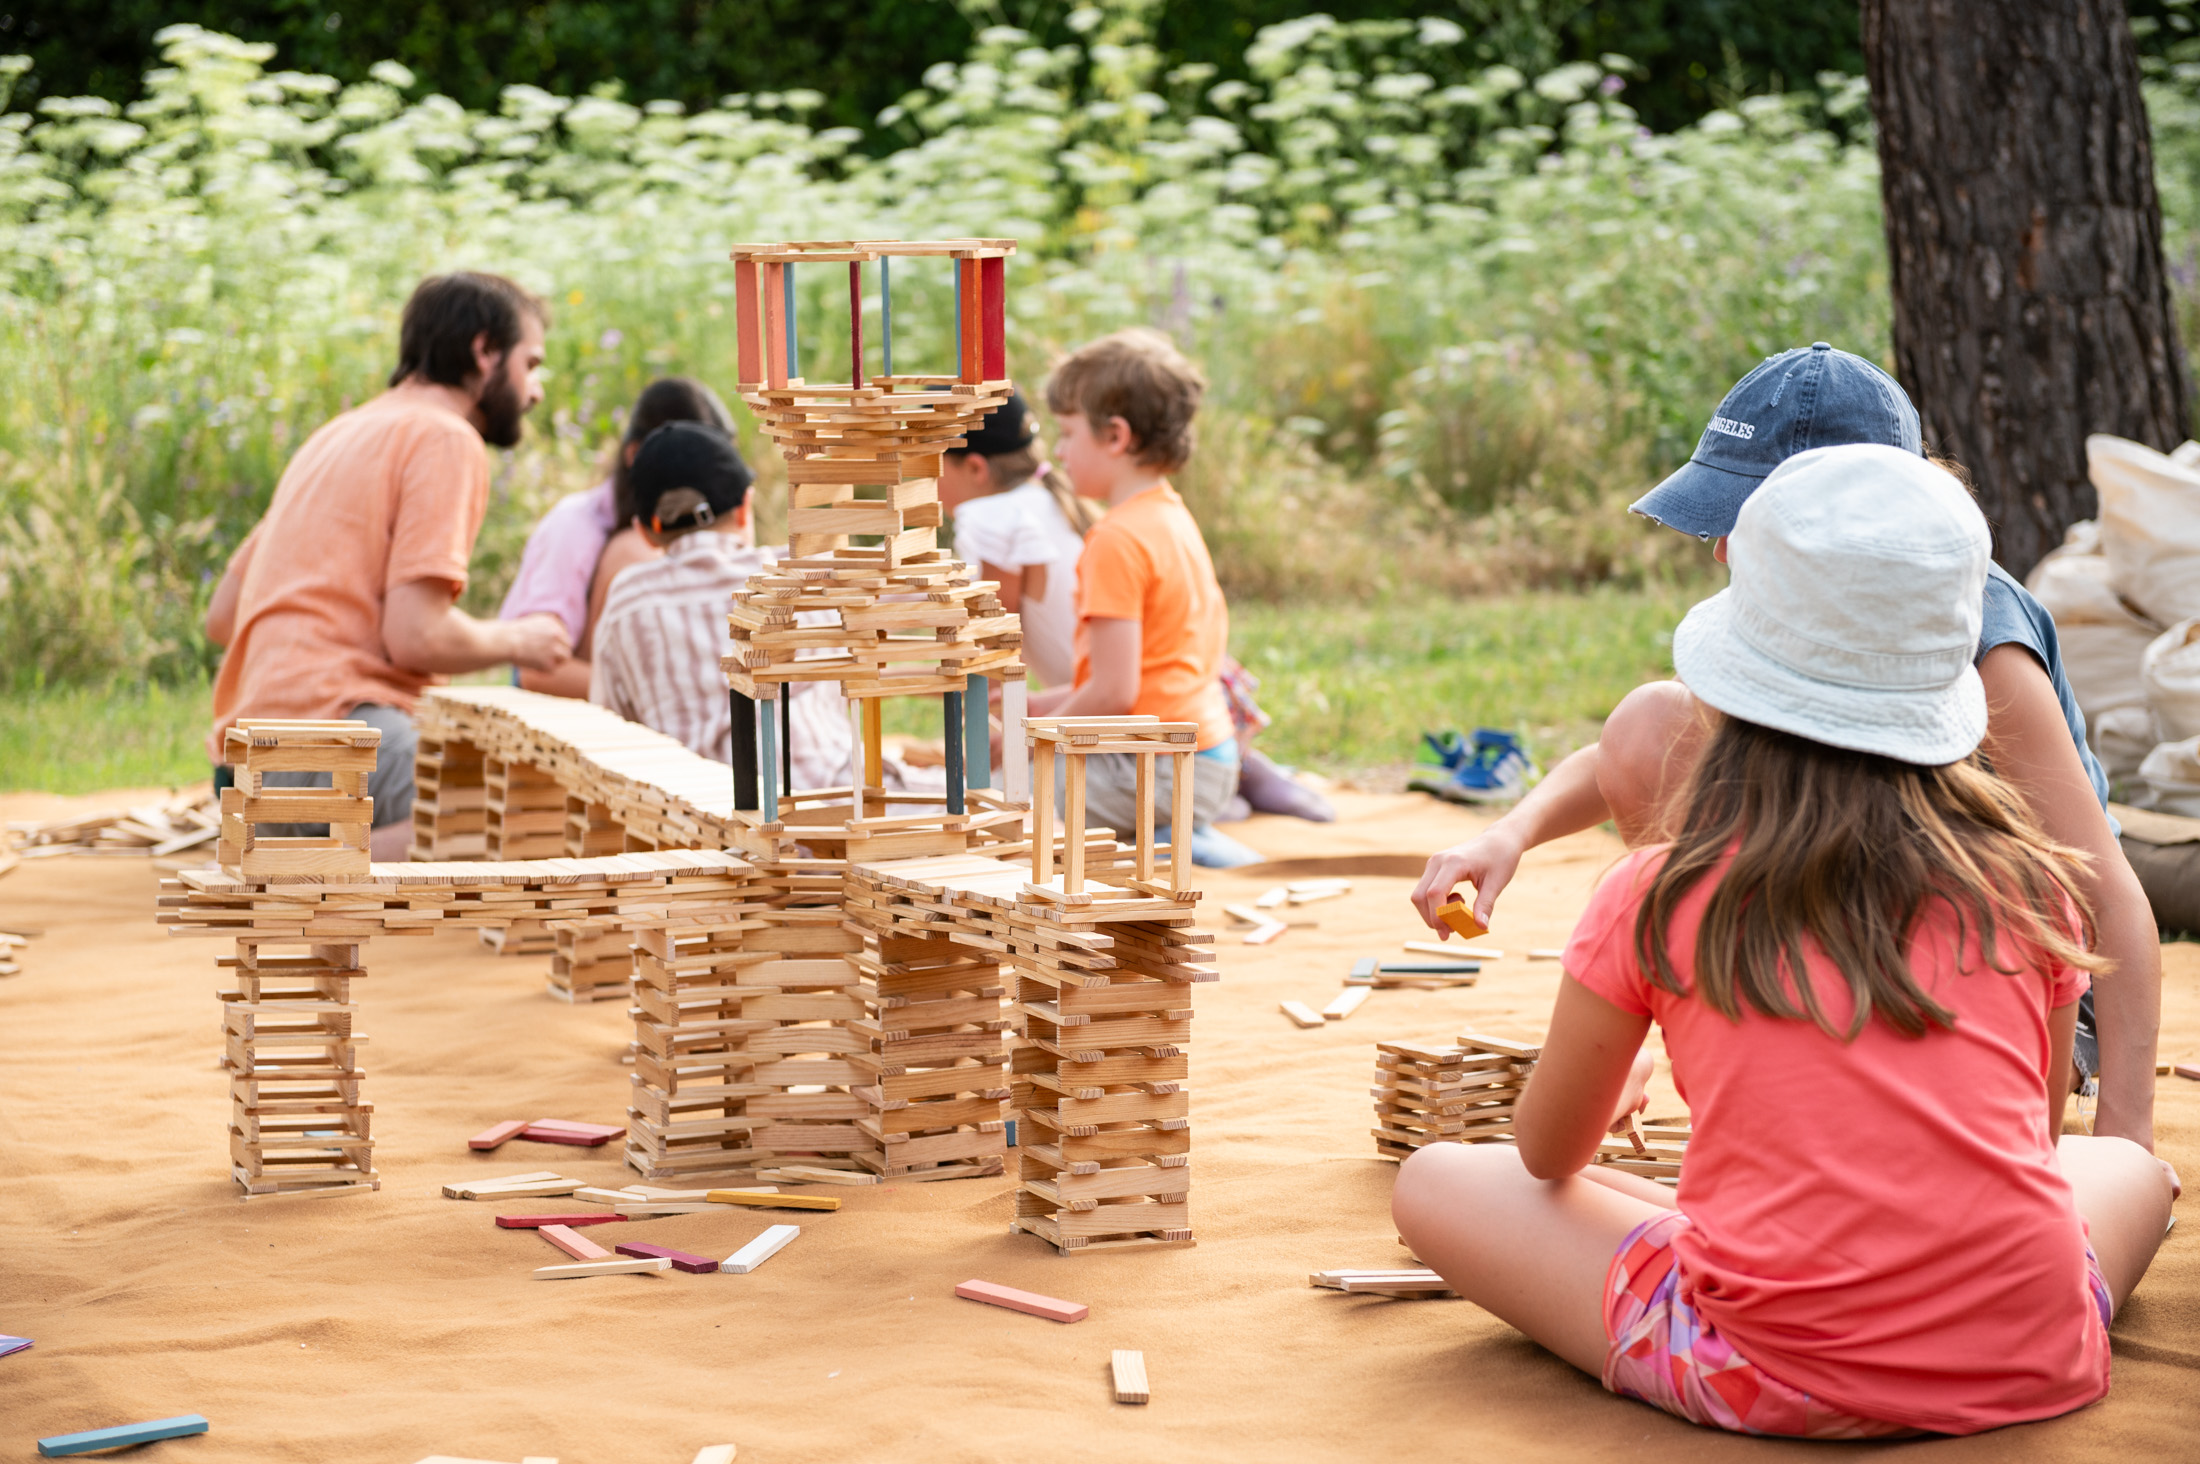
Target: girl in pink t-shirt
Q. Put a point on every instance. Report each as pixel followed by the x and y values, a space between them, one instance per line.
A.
pixel 1865 958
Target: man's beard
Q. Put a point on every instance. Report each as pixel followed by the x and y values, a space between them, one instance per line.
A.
pixel 503 418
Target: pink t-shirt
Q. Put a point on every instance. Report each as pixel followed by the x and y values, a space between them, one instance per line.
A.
pixel 559 563
pixel 1881 1223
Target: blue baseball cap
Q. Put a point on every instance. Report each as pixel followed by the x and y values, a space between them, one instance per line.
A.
pixel 1795 401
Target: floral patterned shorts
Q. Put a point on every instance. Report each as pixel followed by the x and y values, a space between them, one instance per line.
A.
pixel 1663 1354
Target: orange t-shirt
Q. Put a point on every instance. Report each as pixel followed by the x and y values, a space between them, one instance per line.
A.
pixel 1146 562
pixel 389 492
pixel 1881 1223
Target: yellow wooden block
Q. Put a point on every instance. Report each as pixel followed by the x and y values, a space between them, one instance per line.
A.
pixel 1461 919
pixel 773 1202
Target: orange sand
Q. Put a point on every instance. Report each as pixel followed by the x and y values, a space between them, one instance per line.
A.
pixel 392 1326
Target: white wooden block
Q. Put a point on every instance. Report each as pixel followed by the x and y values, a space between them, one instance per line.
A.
pixel 1301 1013
pixel 759 1250
pixel 718 1453
pixel 1130 1376
pixel 623 1266
pixel 1346 1002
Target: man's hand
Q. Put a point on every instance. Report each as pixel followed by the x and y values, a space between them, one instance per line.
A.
pixel 1487 861
pixel 538 642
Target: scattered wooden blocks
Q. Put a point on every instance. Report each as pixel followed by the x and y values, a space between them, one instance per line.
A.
pixel 1421 975
pixel 1459 1094
pixel 1023 1301
pixel 573 1243
pixel 492 1137
pixel 530 1222
pixel 121 1436
pixel 1263 934
pixel 1418 1283
pixel 759 1250
pixel 537 1186
pixel 769 1201
pixel 1300 1013
pixel 1306 892
pixel 623 1267
pixel 1345 1003
pixel 1129 1369
pixel 1461 919
pixel 681 1260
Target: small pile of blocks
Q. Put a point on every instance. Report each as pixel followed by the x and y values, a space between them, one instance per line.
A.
pixel 1652 1148
pixel 694 1076
pixel 1459 1094
pixel 450 801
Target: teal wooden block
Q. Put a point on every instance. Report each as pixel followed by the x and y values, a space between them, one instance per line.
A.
pixel 93 1440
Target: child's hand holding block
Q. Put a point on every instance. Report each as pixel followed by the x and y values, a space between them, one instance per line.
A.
pixel 1461 919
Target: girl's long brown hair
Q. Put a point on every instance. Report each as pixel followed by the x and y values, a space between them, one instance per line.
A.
pixel 1849 850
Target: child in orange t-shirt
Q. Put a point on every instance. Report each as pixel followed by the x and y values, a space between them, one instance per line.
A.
pixel 1152 626
pixel 1866 961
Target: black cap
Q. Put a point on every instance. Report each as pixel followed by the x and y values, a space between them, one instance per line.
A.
pixel 694 456
pixel 1007 428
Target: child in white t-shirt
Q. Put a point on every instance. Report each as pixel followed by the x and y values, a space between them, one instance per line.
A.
pixel 1017 524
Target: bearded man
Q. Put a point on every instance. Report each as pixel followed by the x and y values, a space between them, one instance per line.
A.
pixel 341 602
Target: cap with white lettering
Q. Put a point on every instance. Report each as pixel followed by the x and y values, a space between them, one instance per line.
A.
pixel 1796 401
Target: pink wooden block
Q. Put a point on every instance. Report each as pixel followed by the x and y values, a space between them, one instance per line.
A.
pixel 1023 1301
pixel 491 1138
pixel 573 1243
pixel 574 1126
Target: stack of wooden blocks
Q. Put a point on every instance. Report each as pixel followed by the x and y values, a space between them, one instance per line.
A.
pixel 1459 1094
pixel 590 830
pixel 694 1076
pixel 450 801
pixel 935 1026
pixel 526 820
pixel 1104 976
pixel 297 1121
pixel 593 960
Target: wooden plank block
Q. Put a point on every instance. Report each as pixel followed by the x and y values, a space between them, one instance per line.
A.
pixel 573 1243
pixel 715 1454
pixel 536 1135
pixel 1129 1369
pixel 773 1202
pixel 1345 1003
pixel 2187 1070
pixel 529 1222
pixel 1301 1013
pixel 681 1260
pixel 1452 952
pixel 808 1174
pixel 1023 1301
pixel 1461 919
pixel 492 1137
pixel 122 1435
pixel 770 1243
pixel 625 1266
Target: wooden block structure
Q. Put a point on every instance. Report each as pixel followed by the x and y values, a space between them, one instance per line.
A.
pixel 1464 1093
pixel 297 1121
pixel 344 752
pixel 1104 977
pixel 450 801
pixel 592 961
pixel 590 830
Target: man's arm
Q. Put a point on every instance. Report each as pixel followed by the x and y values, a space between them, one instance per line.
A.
pixel 424 631
pixel 221 613
pixel 1115 649
pixel 2029 744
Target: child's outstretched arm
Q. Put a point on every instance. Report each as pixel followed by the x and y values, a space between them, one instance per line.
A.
pixel 1581 1085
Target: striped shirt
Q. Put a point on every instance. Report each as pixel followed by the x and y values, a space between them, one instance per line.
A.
pixel 656 657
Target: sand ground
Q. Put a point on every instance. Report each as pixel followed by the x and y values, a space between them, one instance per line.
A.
pixel 392 1326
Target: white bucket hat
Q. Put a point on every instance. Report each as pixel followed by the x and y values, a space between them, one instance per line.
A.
pixel 1853 615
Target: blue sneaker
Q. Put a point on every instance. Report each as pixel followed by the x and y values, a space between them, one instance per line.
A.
pixel 1214 849
pixel 1495 768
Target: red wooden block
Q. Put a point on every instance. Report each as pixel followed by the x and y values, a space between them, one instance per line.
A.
pixel 1023 1301
pixel 490 1138
pixel 681 1260
pixel 969 298
pixel 748 326
pixel 573 1243
pixel 529 1222
pixel 993 274
pixel 572 1126
pixel 772 295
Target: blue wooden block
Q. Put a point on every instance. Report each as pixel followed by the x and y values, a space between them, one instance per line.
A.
pixel 93 1440
pixel 1012 1133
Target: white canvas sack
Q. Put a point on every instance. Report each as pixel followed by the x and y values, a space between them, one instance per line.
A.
pixel 2150 524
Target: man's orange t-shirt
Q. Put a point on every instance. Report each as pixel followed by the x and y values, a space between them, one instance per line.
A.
pixel 1146 562
pixel 389 492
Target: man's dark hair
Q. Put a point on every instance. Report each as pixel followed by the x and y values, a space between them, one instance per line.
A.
pixel 436 339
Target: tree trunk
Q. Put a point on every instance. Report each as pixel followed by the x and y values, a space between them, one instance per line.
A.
pixel 2025 247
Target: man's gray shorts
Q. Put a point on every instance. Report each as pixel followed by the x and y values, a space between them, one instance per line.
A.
pixel 391 783
pixel 1111 790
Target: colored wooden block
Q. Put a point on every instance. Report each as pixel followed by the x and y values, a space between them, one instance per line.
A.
pixel 993 317
pixel 719 1453
pixel 747 323
pixel 573 1243
pixel 625 1266
pixel 760 1250
pixel 531 1222
pixel 122 1435
pixel 13 1344
pixel 536 1134
pixel 1024 1301
pixel 2187 1070
pixel 774 1202
pixel 1461 919
pixel 1129 1369
pixel 491 1138
pixel 681 1260
pixel 570 1126
pixel 1301 1013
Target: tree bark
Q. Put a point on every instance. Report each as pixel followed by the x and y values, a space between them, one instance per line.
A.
pixel 2024 243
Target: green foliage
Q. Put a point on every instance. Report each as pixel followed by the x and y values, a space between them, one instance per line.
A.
pixel 87 739
pixel 1451 329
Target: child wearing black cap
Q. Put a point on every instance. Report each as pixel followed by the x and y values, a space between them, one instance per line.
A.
pixel 663 626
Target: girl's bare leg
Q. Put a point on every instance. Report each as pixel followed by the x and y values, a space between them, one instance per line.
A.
pixel 2124 1194
pixel 1534 1252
